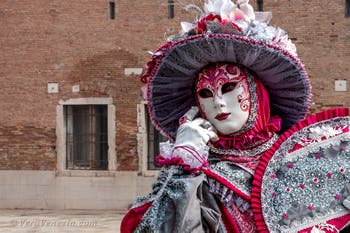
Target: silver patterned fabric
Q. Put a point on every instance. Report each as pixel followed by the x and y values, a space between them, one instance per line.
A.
pixel 305 186
pixel 181 203
pixel 185 202
pixel 249 152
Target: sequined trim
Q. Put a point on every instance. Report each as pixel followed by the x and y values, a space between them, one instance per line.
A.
pixel 236 176
pixel 252 152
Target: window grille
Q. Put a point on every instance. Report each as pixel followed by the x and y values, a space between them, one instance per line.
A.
pixel 111 7
pixel 260 5
pixel 171 12
pixel 154 137
pixel 86 137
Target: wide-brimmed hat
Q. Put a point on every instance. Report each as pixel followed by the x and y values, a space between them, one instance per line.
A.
pixel 225 33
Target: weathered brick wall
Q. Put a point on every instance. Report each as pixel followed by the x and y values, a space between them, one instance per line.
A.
pixel 71 42
pixel 74 42
pixel 27 148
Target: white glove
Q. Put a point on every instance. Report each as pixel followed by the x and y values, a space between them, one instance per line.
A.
pixel 191 139
pixel 346 202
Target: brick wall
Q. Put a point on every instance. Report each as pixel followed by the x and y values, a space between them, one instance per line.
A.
pixel 321 33
pixel 74 42
pixel 22 152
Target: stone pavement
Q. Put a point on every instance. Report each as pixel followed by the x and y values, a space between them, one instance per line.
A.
pixel 60 221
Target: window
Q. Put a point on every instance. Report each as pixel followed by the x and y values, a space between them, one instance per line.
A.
pixel 171 12
pixel 111 9
pixel 154 137
pixel 260 5
pixel 148 139
pixel 347 8
pixel 86 137
pixel 85 130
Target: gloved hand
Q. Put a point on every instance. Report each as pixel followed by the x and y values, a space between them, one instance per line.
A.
pixel 192 138
pixel 346 202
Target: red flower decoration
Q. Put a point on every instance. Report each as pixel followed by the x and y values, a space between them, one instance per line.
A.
pixel 202 23
pixel 284 216
pixel 302 186
pixel 337 196
pixel 329 175
pixel 273 176
pixel 274 195
pixel 342 148
pixel 318 156
pixel 342 170
pixel 310 207
pixel 290 165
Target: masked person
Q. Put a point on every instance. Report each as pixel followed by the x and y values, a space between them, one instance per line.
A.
pixel 231 94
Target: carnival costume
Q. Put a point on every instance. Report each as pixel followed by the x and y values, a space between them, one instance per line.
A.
pixel 252 161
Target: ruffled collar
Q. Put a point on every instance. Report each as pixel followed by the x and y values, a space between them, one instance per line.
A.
pixel 250 139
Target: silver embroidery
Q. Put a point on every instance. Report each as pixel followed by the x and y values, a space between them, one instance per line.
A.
pixel 233 174
pixel 319 133
pixel 164 189
pixel 305 187
pixel 251 152
pixel 324 228
pixel 164 176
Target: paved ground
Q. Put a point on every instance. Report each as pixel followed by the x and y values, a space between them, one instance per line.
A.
pixel 45 221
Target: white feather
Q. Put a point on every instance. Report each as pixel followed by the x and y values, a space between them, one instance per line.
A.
pixel 226 8
pixel 186 26
pixel 247 9
pixel 213 6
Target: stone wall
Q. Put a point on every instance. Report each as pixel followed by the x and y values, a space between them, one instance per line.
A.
pixel 46 190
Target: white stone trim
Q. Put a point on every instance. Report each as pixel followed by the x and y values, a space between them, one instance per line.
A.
pixel 82 101
pixel 61 138
pixel 133 71
pixel 142 143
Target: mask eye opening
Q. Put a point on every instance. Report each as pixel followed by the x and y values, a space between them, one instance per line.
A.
pixel 205 93
pixel 227 87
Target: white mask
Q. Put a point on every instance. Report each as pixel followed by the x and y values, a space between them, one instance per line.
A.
pixel 224 98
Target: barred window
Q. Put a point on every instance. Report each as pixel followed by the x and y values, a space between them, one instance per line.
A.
pixel 260 4
pixel 111 9
pixel 86 137
pixel 171 12
pixel 154 137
